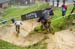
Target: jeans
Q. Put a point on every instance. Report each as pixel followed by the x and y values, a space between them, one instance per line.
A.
pixel 63 13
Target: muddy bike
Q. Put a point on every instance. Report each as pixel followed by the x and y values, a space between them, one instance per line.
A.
pixel 47 26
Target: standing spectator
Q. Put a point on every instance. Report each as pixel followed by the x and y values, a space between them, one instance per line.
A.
pixel 57 3
pixel 74 3
pixel 64 9
pixel 18 24
pixel 65 6
pixel 53 2
pixel 64 1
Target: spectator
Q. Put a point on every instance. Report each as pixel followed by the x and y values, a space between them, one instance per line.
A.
pixel 74 3
pixel 18 24
pixel 64 9
pixel 65 6
pixel 58 3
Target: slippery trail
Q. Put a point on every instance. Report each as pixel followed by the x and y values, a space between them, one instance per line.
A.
pixel 9 34
pixel 64 39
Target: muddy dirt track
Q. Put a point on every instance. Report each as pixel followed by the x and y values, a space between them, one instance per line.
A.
pixel 64 39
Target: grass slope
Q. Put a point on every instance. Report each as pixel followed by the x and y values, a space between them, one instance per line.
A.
pixel 6 45
pixel 17 12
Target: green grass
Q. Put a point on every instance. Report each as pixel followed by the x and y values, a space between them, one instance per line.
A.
pixel 17 12
pixel 60 21
pixel 6 45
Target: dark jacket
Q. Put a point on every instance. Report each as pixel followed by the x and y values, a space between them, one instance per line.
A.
pixel 44 15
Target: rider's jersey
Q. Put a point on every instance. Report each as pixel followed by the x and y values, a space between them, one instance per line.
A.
pixel 18 23
pixel 45 14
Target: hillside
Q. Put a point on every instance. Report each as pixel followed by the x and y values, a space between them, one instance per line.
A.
pixel 29 39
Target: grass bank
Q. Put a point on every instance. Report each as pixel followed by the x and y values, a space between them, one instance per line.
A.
pixel 17 12
pixel 58 21
pixel 6 45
